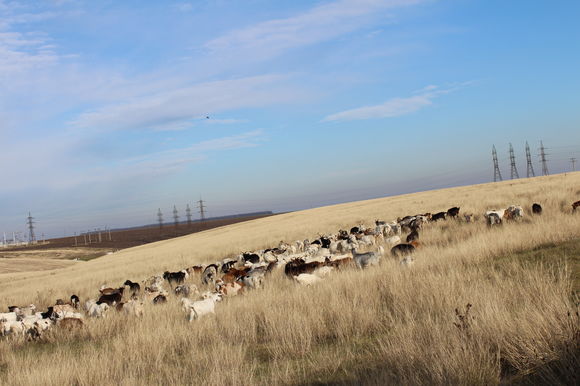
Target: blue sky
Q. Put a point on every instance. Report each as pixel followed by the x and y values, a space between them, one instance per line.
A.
pixel 103 104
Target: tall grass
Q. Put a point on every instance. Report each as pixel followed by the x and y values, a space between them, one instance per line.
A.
pixel 383 325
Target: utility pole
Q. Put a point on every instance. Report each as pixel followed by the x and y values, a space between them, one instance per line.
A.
pixel 175 216
pixel 573 162
pixel 543 159
pixel 201 209
pixel 75 239
pixel 496 172
pixel 160 218
pixel 188 214
pixel 514 171
pixel 31 237
pixel 529 161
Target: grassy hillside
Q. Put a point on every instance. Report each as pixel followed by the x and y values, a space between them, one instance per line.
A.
pixel 378 326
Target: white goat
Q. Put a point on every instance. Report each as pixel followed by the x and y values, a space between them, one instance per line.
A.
pixel 393 240
pixel 98 310
pixel 363 260
pixel 197 309
pixel 307 279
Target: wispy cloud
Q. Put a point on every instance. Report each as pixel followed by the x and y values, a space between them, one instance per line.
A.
pixel 225 121
pixel 57 155
pixel 173 160
pixel 238 141
pixel 23 50
pixel 179 107
pixel 183 7
pixel 395 107
pixel 20 52
pixel 316 25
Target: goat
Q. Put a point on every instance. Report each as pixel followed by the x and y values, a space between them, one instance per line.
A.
pixel 306 279
pixel 135 288
pixel 209 274
pixel 414 235
pixel 402 249
pixel 514 212
pixel 453 212
pixel 9 316
pixel 439 216
pixel 253 258
pixel 175 277
pixel 98 310
pixel 184 290
pixel 363 260
pixel 110 299
pixel 494 217
pixel 70 323
pixel 74 300
pixel 112 291
pixel 230 289
pixel 199 308
pixel 133 307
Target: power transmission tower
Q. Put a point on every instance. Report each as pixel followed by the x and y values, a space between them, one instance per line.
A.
pixel 31 237
pixel 573 162
pixel 514 172
pixel 543 159
pixel 160 218
pixel 201 209
pixel 496 172
pixel 529 161
pixel 188 214
pixel 175 216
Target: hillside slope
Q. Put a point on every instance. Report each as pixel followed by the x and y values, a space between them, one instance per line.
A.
pixel 555 193
pixel 480 305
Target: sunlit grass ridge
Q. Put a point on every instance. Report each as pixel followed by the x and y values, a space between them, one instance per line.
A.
pixel 381 325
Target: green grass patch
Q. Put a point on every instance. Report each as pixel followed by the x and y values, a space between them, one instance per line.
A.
pixel 552 256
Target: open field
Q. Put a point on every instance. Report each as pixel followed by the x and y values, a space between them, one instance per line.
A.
pixel 383 325
pixel 32 264
pixel 126 238
pixel 58 253
pixel 29 260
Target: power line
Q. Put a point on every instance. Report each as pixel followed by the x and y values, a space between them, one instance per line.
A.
pixel 530 166
pixel 31 237
pixel 543 159
pixel 496 171
pixel 514 170
pixel 188 214
pixel 201 208
pixel 160 218
pixel 175 216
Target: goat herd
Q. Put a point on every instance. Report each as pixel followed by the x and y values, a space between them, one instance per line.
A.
pixel 306 262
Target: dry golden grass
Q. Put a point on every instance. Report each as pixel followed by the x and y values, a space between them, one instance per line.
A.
pixel 15 264
pixel 384 325
pixel 45 259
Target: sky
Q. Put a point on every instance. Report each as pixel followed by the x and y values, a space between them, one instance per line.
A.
pixel 110 110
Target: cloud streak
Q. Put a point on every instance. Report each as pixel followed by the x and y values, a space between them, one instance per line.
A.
pixel 22 51
pixel 319 24
pixel 57 156
pixel 393 107
pixel 177 108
